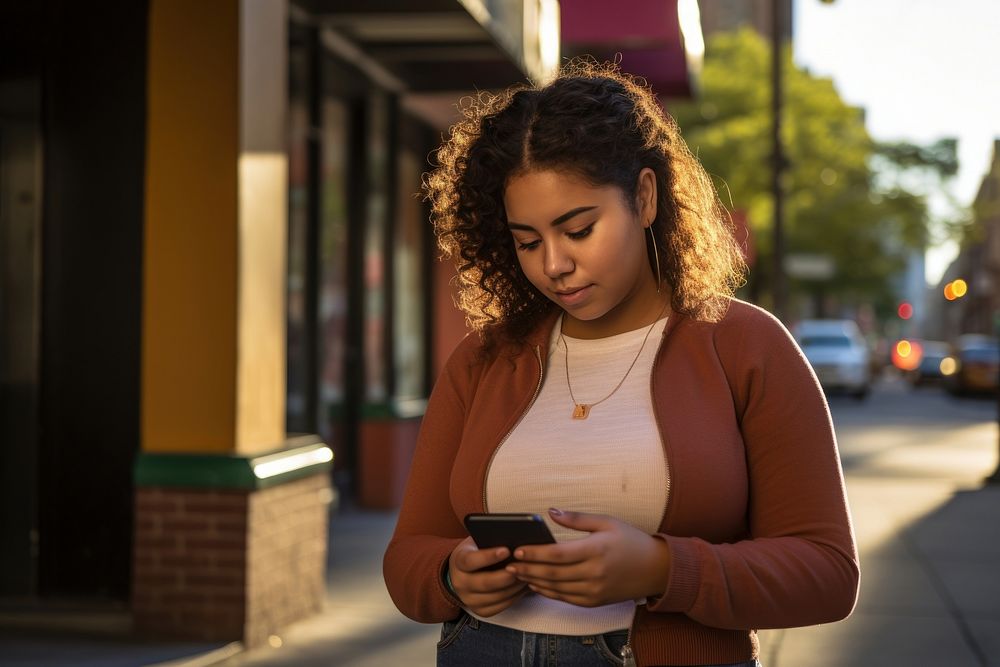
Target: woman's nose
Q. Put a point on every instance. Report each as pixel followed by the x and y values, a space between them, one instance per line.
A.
pixel 557 262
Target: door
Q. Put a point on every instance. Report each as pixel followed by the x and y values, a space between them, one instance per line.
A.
pixel 20 217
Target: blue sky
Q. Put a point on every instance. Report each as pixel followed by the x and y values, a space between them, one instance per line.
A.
pixel 923 70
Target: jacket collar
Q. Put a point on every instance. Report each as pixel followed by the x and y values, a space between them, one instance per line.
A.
pixel 539 336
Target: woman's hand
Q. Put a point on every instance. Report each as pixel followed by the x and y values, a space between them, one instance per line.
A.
pixel 484 592
pixel 615 562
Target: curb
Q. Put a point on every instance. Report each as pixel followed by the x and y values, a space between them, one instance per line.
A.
pixel 213 657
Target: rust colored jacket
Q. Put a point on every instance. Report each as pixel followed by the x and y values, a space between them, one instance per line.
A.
pixel 756 521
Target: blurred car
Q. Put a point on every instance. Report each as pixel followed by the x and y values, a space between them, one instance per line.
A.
pixel 838 354
pixel 936 363
pixel 978 360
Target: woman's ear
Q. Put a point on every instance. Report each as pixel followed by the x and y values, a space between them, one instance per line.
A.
pixel 646 196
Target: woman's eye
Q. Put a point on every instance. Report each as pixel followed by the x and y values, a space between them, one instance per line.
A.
pixel 583 233
pixel 530 245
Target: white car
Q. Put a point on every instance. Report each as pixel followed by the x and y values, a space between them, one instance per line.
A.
pixel 838 354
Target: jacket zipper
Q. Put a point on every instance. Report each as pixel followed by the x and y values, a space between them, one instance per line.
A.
pixel 659 428
pixel 534 397
pixel 628 657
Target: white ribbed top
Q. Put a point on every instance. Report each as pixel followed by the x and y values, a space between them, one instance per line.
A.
pixel 610 463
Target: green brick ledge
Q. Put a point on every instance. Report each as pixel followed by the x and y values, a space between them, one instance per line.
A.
pixel 299 457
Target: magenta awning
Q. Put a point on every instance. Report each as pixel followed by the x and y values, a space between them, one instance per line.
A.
pixel 646 33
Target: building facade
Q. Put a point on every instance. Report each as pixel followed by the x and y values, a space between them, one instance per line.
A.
pixel 728 15
pixel 978 264
pixel 221 299
pixel 217 285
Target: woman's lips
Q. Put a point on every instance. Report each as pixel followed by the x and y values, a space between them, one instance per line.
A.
pixel 574 296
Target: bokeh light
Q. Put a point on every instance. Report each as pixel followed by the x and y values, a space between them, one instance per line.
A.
pixel 959 288
pixel 949 291
pixel 949 366
pixel 905 310
pixel 906 355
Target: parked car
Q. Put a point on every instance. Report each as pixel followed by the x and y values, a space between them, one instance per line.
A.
pixel 978 369
pixel 936 363
pixel 838 354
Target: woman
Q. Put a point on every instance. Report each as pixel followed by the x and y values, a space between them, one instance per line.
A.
pixel 673 437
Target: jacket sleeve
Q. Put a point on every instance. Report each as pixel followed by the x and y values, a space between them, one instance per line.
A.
pixel 799 565
pixel 427 529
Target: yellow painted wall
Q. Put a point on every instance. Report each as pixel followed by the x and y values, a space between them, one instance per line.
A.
pixel 189 355
pixel 263 215
pixel 260 424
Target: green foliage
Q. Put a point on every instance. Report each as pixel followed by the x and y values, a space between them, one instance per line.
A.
pixel 940 157
pixel 845 195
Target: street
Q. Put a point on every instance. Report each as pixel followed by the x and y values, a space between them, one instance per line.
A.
pixel 928 535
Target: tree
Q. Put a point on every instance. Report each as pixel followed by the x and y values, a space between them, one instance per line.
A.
pixel 839 201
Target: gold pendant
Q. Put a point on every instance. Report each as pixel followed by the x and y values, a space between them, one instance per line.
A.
pixel 581 411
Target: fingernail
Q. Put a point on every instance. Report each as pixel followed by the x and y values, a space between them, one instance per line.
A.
pixel 511 569
pixel 554 512
pixel 519 554
pixel 501 552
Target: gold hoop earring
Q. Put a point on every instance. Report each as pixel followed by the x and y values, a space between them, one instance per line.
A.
pixel 656 256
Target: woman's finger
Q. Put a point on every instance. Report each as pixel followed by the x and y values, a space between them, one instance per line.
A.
pixel 490 582
pixel 486 604
pixel 473 559
pixel 542 573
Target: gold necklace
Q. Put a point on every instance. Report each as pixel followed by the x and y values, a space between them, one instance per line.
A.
pixel 582 410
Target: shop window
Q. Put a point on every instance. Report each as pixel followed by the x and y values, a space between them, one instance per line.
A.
pixel 333 297
pixel 410 301
pixel 374 278
pixel 298 224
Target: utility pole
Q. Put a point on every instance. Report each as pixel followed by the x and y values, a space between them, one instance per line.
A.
pixel 778 288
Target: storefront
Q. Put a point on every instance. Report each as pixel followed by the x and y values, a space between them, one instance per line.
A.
pixel 372 88
pixel 219 285
pixel 216 271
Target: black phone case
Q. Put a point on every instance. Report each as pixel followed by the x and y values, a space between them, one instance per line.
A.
pixel 507 530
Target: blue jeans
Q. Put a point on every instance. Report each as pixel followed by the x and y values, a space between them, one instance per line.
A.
pixel 467 641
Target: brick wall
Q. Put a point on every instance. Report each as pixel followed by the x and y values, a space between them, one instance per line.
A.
pixel 286 568
pixel 221 565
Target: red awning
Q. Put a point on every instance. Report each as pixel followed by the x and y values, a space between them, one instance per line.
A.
pixel 645 32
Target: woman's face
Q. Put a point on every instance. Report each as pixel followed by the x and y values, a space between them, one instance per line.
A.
pixel 584 248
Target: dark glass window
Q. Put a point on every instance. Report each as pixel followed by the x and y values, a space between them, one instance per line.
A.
pixel 410 298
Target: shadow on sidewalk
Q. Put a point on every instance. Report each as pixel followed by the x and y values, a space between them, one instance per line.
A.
pixel 930 588
pixel 359 626
pixel 958 546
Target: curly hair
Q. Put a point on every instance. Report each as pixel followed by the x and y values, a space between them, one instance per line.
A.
pixel 603 126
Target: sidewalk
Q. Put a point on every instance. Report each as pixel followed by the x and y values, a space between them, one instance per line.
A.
pixel 930 596
pixel 930 582
pixel 359 626
pixel 930 591
pixel 928 533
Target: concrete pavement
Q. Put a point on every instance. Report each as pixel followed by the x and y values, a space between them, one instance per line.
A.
pixel 930 592
pixel 927 530
pixel 929 536
pixel 930 583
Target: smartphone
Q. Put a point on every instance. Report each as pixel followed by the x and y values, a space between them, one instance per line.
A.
pixel 507 530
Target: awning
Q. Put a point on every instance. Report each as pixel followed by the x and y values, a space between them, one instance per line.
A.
pixel 436 45
pixel 646 33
